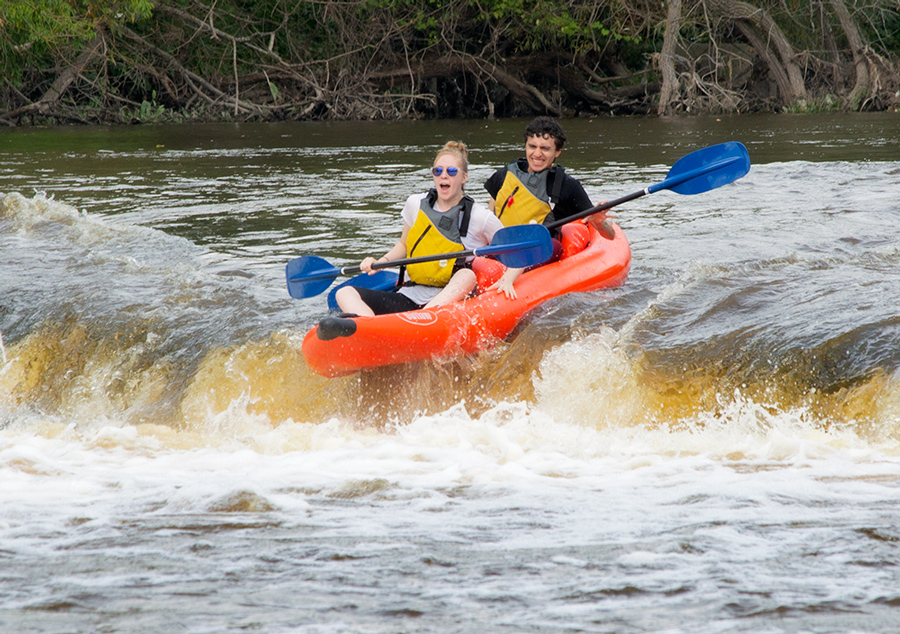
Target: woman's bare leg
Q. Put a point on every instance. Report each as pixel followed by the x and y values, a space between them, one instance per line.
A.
pixel 460 285
pixel 349 301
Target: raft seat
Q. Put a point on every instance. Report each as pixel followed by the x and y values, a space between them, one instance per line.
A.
pixel 487 271
pixel 575 238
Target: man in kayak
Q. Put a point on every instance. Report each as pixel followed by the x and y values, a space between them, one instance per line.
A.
pixel 442 221
pixel 534 190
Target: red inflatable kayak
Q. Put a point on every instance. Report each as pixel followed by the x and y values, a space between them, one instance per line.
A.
pixel 344 346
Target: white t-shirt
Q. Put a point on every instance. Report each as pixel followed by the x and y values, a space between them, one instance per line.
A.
pixel 482 226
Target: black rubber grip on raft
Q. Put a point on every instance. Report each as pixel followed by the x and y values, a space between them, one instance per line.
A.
pixel 334 327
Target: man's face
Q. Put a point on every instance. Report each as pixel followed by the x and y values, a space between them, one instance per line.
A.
pixel 540 152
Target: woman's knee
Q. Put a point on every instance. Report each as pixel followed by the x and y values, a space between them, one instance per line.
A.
pixel 465 279
pixel 346 293
pixel 348 299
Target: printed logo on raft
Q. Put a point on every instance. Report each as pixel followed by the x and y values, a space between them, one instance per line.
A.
pixel 418 319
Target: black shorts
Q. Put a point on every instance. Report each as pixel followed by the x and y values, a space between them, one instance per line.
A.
pixel 386 302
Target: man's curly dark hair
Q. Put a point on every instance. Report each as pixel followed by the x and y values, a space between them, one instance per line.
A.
pixel 547 128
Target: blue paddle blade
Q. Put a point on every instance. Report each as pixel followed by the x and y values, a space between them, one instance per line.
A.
pixel 380 281
pixel 308 276
pixel 520 246
pixel 706 169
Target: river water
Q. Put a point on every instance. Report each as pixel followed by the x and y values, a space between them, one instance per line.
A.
pixel 713 447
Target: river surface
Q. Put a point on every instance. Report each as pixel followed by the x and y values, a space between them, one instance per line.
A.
pixel 713 447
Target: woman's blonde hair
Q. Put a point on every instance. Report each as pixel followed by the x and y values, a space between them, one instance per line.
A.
pixel 458 150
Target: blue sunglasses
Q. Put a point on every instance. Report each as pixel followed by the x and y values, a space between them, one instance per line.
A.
pixel 451 171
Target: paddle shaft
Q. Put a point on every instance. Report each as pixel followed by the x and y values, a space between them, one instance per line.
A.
pixel 597 209
pixel 518 246
pixel 488 250
pixel 669 183
pixel 482 251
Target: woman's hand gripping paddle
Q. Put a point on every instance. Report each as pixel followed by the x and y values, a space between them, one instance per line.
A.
pixel 516 247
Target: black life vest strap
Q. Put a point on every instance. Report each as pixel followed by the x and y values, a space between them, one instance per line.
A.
pixel 559 175
pixel 467 203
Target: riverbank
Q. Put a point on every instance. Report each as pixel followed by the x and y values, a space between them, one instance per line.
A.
pixel 133 62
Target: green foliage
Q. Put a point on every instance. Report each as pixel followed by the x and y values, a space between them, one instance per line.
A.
pixel 318 57
pixel 33 32
pixel 420 20
pixel 544 24
pixel 882 24
pixel 828 103
pixel 147 112
pixel 55 23
pixel 150 110
pixel 526 25
pixel 273 89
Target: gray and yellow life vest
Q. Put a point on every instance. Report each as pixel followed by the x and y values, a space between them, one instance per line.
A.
pixel 523 198
pixel 436 232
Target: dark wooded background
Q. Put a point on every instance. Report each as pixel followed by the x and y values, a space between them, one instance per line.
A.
pixel 130 61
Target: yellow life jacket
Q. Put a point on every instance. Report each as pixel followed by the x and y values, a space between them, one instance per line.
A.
pixel 523 198
pixel 436 232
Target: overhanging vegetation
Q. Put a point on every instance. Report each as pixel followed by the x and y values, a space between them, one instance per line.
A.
pixel 120 61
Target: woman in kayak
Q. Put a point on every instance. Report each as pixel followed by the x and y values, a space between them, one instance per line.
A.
pixel 444 220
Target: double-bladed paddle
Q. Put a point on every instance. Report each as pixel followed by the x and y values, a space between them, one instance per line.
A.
pixel 516 247
pixel 525 245
pixel 695 173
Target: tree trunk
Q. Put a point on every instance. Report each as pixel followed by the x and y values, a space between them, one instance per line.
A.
pixel 196 82
pixel 793 88
pixel 858 46
pixel 50 98
pixel 670 86
pixel 48 102
pixel 483 69
pixel 766 55
pixel 834 57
